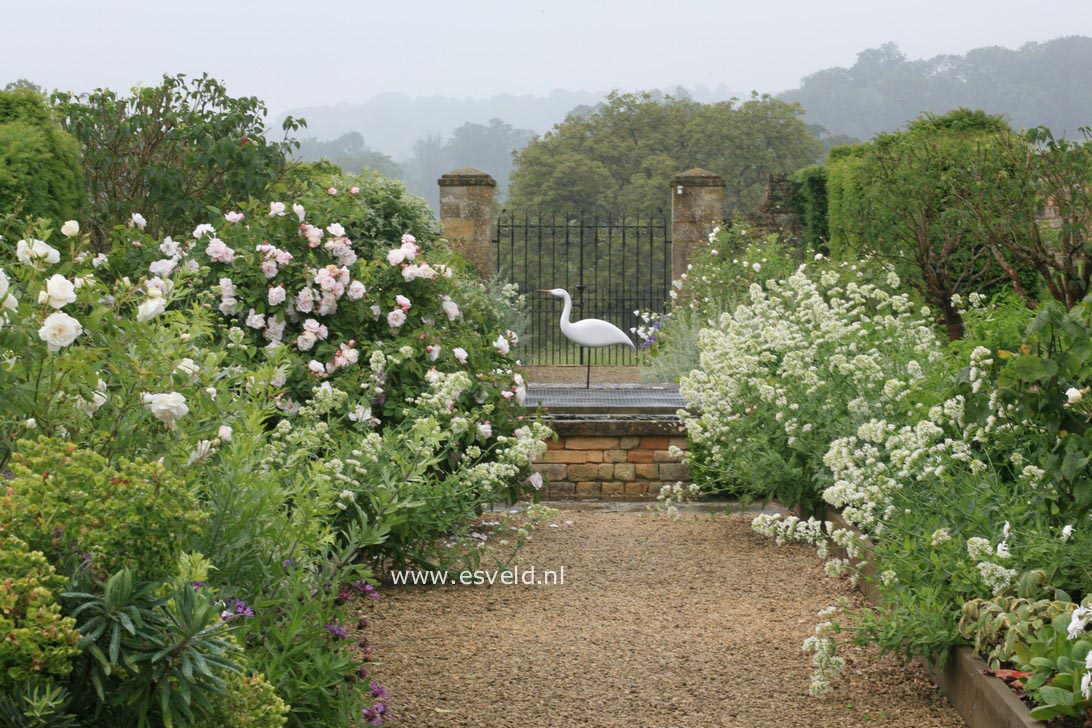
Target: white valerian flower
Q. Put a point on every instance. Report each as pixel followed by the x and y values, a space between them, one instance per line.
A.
pixel 58 292
pixel 59 330
pixel 1073 395
pixel 150 308
pixel 35 252
pixel 168 407
pixel 979 548
pixel 1003 550
pixel 137 220
pixel 70 229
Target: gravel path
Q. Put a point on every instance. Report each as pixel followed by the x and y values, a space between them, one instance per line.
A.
pixel 697 622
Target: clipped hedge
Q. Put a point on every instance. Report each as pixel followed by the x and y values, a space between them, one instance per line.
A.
pixel 844 181
pixel 809 197
pixel 40 173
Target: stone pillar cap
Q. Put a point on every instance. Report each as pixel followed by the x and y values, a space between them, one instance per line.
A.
pixel 698 177
pixel 466 177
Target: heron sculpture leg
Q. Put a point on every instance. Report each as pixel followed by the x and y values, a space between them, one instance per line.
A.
pixel 587 380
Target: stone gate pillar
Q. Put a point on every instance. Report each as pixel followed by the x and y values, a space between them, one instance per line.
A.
pixel 466 215
pixel 697 206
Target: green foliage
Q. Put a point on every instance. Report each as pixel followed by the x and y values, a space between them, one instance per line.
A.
pixel 998 626
pixel 150 659
pixel 82 512
pixel 810 202
pixel 171 151
pixel 1056 357
pixel 38 640
pixel 844 177
pixel 250 702
pixel 40 172
pixel 898 200
pixel 1057 667
pixel 622 155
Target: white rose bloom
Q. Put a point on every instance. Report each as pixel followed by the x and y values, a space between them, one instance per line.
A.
pixel 150 308
pixel 7 301
pixel 396 256
pixel 58 292
pixel 167 407
pixel 225 433
pixel 501 345
pixel 59 330
pixel 137 220
pixel 36 251
pixel 1073 395
pixel 356 291
pixel 460 354
pixel 451 309
pixel 276 295
pixel 396 318
pixel 276 209
pixel 298 209
pixel 70 229
pixel 163 267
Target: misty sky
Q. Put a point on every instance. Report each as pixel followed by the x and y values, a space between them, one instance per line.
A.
pixel 305 53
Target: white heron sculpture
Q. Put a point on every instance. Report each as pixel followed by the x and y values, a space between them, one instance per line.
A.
pixel 592 333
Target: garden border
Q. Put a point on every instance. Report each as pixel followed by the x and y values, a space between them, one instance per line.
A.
pixel 982 701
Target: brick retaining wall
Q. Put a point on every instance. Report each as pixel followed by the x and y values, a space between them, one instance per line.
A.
pixel 612 457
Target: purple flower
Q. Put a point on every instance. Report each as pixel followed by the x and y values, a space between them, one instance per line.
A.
pixel 369 590
pixel 235 608
pixel 374 715
pixel 379 692
pixel 197 584
pixel 337 630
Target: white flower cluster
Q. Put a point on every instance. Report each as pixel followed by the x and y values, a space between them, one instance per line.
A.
pixel 825 661
pixel 802 352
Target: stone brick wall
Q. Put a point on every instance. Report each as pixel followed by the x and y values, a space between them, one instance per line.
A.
pixel 624 459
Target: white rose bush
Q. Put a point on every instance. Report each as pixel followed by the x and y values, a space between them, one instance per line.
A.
pixel 316 374
pixel 960 468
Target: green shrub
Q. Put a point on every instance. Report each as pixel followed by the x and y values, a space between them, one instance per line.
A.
pixel 844 178
pixel 810 200
pixel 40 172
pixel 251 702
pixel 78 510
pixel 35 639
pixel 171 151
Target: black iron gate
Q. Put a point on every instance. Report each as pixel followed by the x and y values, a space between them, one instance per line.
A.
pixel 612 268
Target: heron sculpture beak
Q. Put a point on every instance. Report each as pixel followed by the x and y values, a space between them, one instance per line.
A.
pixel 545 290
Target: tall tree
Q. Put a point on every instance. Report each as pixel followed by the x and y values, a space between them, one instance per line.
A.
pixel 171 151
pixel 350 153
pixel 621 155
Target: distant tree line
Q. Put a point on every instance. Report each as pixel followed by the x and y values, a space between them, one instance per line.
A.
pixel 1039 84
